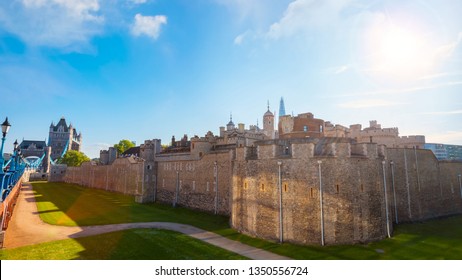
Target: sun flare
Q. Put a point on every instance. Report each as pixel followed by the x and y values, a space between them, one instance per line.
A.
pixel 396 52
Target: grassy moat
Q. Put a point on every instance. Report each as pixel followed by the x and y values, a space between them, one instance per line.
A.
pixel 72 205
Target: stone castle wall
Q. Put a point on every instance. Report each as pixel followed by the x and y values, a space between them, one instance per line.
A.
pixel 424 187
pixel 192 183
pixel 125 175
pixel 353 178
pixel 353 196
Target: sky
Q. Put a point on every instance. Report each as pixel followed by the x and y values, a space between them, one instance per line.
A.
pixel 151 69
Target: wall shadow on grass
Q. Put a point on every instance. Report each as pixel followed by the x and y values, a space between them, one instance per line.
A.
pixel 149 244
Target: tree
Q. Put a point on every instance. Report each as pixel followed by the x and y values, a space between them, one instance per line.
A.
pixel 74 158
pixel 124 145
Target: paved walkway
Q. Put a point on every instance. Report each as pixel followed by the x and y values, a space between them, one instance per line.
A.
pixel 26 228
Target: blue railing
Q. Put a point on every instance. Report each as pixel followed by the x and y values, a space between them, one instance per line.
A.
pixel 9 179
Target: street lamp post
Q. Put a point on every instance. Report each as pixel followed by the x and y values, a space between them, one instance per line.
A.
pixel 460 184
pixel 392 164
pixel 15 155
pixel 321 206
pixel 5 127
pixel 386 198
pixel 281 239
pixel 215 175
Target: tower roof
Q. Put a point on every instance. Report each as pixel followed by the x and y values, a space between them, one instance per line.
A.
pixel 230 120
pixel 268 113
pixel 62 122
pixel 38 144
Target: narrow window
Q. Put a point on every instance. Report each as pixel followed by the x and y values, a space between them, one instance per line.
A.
pixel 337 189
pixel 245 185
pixel 311 193
pixel 305 128
pixel 285 187
pixel 362 188
pixel 262 187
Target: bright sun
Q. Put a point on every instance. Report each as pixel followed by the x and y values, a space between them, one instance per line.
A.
pixel 395 52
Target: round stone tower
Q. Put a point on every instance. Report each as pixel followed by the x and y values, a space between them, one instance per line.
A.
pixel 268 123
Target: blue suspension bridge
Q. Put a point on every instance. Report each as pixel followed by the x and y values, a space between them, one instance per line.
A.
pixel 11 172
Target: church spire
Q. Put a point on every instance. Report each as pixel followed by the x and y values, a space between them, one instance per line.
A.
pixel 230 125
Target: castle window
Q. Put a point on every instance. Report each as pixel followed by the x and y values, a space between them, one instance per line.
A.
pixel 320 128
pixel 362 188
pixel 337 188
pixel 311 193
pixel 305 128
pixel 285 187
pixel 262 187
pixel 245 185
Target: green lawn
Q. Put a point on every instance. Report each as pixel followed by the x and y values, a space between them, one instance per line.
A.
pixel 439 239
pixel 72 205
pixel 135 244
pixel 67 204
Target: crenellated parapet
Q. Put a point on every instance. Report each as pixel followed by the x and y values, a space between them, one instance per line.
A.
pixel 312 147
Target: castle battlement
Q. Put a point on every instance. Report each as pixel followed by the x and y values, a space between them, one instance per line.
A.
pixel 305 148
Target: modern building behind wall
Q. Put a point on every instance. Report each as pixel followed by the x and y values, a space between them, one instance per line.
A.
pixel 445 152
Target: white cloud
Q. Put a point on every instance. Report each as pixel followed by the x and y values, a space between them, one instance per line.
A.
pixel 246 8
pixel 456 112
pixel 139 1
pixel 439 75
pixel 446 51
pixel 241 37
pixel 338 69
pixel 148 25
pixel 405 90
pixel 82 9
pixel 238 40
pixel 367 103
pixel 56 23
pixel 301 15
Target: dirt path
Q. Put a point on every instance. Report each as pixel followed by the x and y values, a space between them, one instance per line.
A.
pixel 26 228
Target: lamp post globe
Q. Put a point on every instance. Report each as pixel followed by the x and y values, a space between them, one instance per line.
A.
pixel 5 127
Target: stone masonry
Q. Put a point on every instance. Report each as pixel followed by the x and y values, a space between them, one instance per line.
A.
pixel 244 183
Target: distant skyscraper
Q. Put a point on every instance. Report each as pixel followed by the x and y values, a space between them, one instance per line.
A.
pixel 282 108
